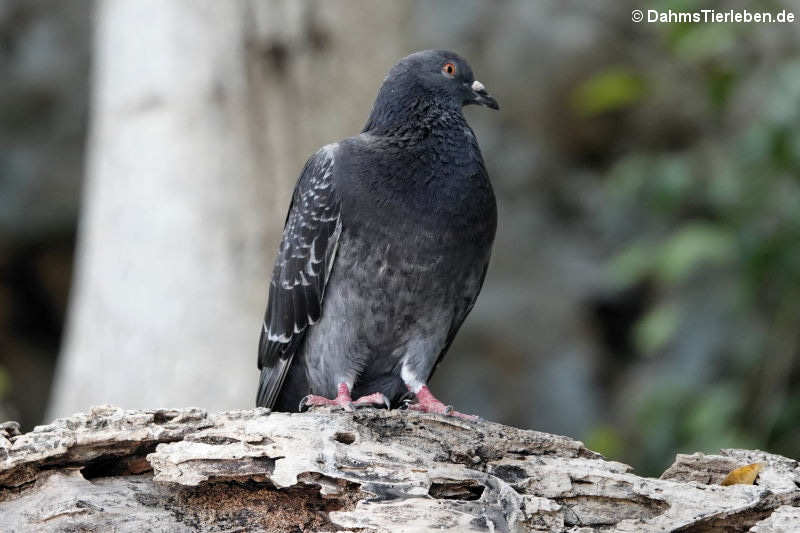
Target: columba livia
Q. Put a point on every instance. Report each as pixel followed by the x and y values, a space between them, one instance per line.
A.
pixel 384 251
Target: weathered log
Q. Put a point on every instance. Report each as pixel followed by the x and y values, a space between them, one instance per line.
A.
pixel 188 470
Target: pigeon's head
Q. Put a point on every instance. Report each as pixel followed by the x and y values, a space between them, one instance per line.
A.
pixel 439 77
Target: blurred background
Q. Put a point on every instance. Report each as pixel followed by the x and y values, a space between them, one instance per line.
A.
pixel 644 292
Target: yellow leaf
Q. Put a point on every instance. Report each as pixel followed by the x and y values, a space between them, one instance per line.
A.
pixel 745 475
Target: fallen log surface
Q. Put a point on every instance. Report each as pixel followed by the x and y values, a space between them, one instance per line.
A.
pixel 373 470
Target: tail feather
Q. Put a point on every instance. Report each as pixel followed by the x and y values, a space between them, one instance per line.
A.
pixel 271 381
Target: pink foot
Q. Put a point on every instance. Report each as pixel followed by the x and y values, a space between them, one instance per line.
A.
pixel 428 403
pixel 344 400
pixel 374 399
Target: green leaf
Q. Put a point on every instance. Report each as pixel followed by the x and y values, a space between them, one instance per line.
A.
pixel 632 265
pixel 656 328
pixel 693 245
pixel 614 89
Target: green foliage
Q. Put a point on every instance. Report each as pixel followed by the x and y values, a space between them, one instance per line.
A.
pixel 606 440
pixel 720 225
pixel 674 259
pixel 610 90
pixel 690 247
pixel 656 328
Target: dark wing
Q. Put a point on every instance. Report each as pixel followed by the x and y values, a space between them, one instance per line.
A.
pixel 305 257
pixel 458 320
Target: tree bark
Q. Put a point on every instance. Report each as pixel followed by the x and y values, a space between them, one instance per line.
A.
pixel 372 470
pixel 203 114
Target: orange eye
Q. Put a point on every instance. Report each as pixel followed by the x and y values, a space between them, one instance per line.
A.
pixel 449 69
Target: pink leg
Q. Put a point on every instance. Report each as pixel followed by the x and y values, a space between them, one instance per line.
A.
pixel 428 403
pixel 344 400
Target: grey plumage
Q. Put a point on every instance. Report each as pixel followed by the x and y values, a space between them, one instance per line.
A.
pixel 385 245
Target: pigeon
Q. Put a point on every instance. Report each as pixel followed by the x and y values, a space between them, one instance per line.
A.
pixel 384 251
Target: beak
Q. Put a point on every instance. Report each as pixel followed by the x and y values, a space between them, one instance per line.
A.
pixel 481 97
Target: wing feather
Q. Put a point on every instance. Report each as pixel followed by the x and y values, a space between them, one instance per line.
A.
pixel 302 269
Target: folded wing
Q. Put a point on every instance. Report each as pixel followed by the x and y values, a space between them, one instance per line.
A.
pixel 302 269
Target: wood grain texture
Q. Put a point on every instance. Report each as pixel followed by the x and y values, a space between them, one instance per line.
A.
pixel 372 470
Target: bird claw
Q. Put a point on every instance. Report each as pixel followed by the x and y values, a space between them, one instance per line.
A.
pixel 446 410
pixel 427 403
pixel 343 402
pixel 409 404
pixel 304 404
pixel 312 400
pixel 373 400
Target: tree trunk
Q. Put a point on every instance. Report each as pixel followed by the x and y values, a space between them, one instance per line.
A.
pixel 372 470
pixel 203 114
